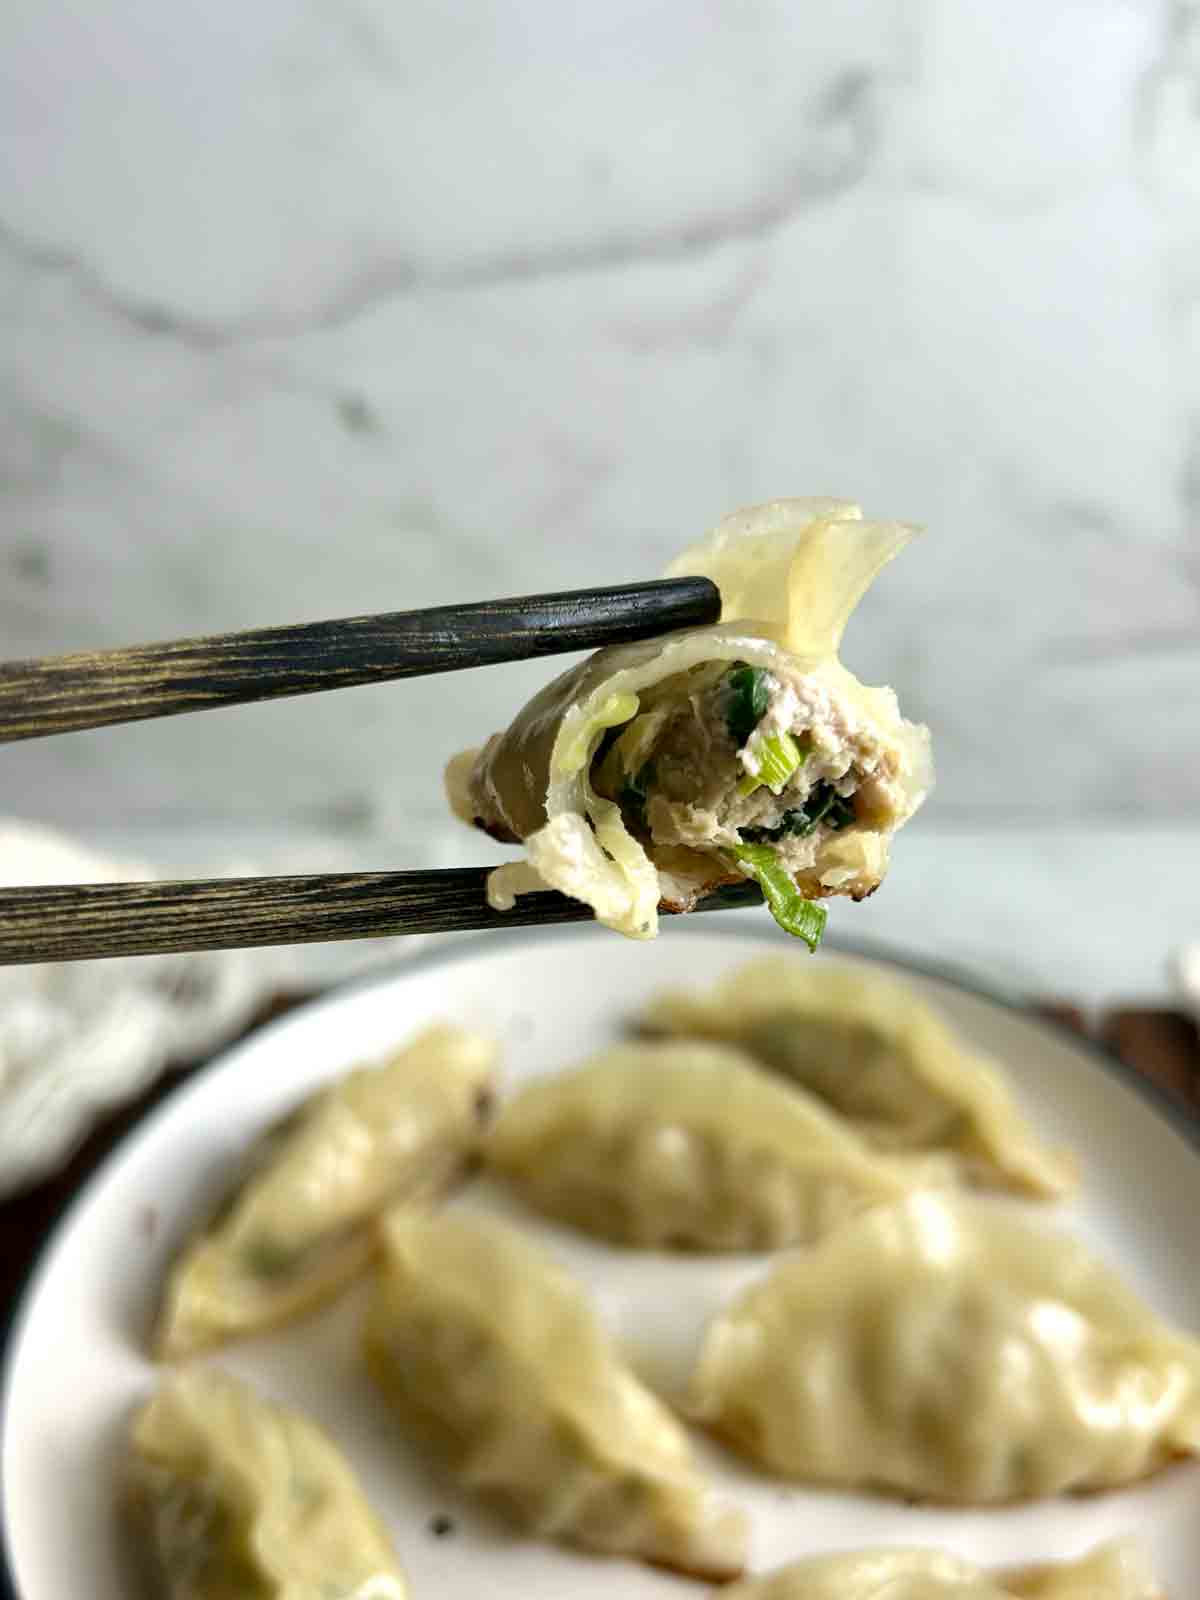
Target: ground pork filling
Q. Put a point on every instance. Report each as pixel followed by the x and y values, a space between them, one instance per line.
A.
pixel 728 755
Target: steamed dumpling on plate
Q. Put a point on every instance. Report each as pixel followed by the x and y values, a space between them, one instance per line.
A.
pixel 687 1145
pixel 655 771
pixel 493 1358
pixel 237 1497
pixel 949 1348
pixel 300 1226
pixel 1114 1572
pixel 879 1056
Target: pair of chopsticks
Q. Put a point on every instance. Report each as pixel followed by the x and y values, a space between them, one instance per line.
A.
pixel 65 694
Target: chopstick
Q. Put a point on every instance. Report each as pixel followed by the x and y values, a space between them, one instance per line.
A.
pixel 92 689
pixel 80 922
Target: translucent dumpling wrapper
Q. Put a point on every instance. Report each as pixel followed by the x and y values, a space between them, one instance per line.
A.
pixel 869 1047
pixel 493 1358
pixel 687 1145
pixel 236 1497
pixel 654 772
pixel 301 1224
pixel 949 1349
pixel 1114 1572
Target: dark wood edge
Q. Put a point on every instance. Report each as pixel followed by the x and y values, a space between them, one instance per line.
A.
pixel 92 689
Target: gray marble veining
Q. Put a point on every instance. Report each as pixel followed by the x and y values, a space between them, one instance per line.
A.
pixel 314 309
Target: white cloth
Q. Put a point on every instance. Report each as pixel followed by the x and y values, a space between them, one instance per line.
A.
pixel 79 1037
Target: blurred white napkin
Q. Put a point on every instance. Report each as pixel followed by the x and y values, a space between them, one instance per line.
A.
pixel 81 1036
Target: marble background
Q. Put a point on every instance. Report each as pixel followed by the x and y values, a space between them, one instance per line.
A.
pixel 317 307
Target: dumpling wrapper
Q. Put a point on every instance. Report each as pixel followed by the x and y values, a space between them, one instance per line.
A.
pixel 301 1225
pixel 686 1145
pixel 1114 1572
pixel 790 573
pixel 236 1496
pixel 880 1057
pixel 950 1349
pixel 492 1356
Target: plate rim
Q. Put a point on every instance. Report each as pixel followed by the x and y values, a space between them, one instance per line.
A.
pixel 1178 1116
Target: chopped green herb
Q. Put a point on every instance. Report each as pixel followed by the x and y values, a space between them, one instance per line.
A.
pixel 802 918
pixel 824 805
pixel 746 700
pixel 633 792
pixel 778 758
pixel 836 811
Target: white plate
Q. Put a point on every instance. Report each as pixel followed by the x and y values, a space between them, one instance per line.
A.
pixel 77 1364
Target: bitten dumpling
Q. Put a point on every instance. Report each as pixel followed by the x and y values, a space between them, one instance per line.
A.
pixel 236 1496
pixel 1114 1572
pixel 879 1056
pixel 301 1225
pixel 492 1356
pixel 653 772
pixel 689 1146
pixel 950 1349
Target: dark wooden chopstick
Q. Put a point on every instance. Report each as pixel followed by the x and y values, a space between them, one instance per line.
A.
pixel 63 694
pixel 82 921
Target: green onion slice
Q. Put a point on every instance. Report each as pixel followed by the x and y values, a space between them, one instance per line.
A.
pixel 802 918
pixel 778 758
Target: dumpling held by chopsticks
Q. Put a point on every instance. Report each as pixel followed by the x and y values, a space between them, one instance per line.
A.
pixel 654 772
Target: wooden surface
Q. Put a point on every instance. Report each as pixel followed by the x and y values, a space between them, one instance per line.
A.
pixel 63 694
pixel 1162 1044
pixel 78 922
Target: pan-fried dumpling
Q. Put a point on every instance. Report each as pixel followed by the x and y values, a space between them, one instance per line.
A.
pixel 493 1357
pixel 689 1146
pixel 653 772
pixel 1114 1572
pixel 238 1497
pixel 880 1057
pixel 943 1349
pixel 301 1224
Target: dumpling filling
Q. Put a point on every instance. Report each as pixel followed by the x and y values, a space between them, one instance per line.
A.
pixel 737 755
pixel 652 773
pixel 762 766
